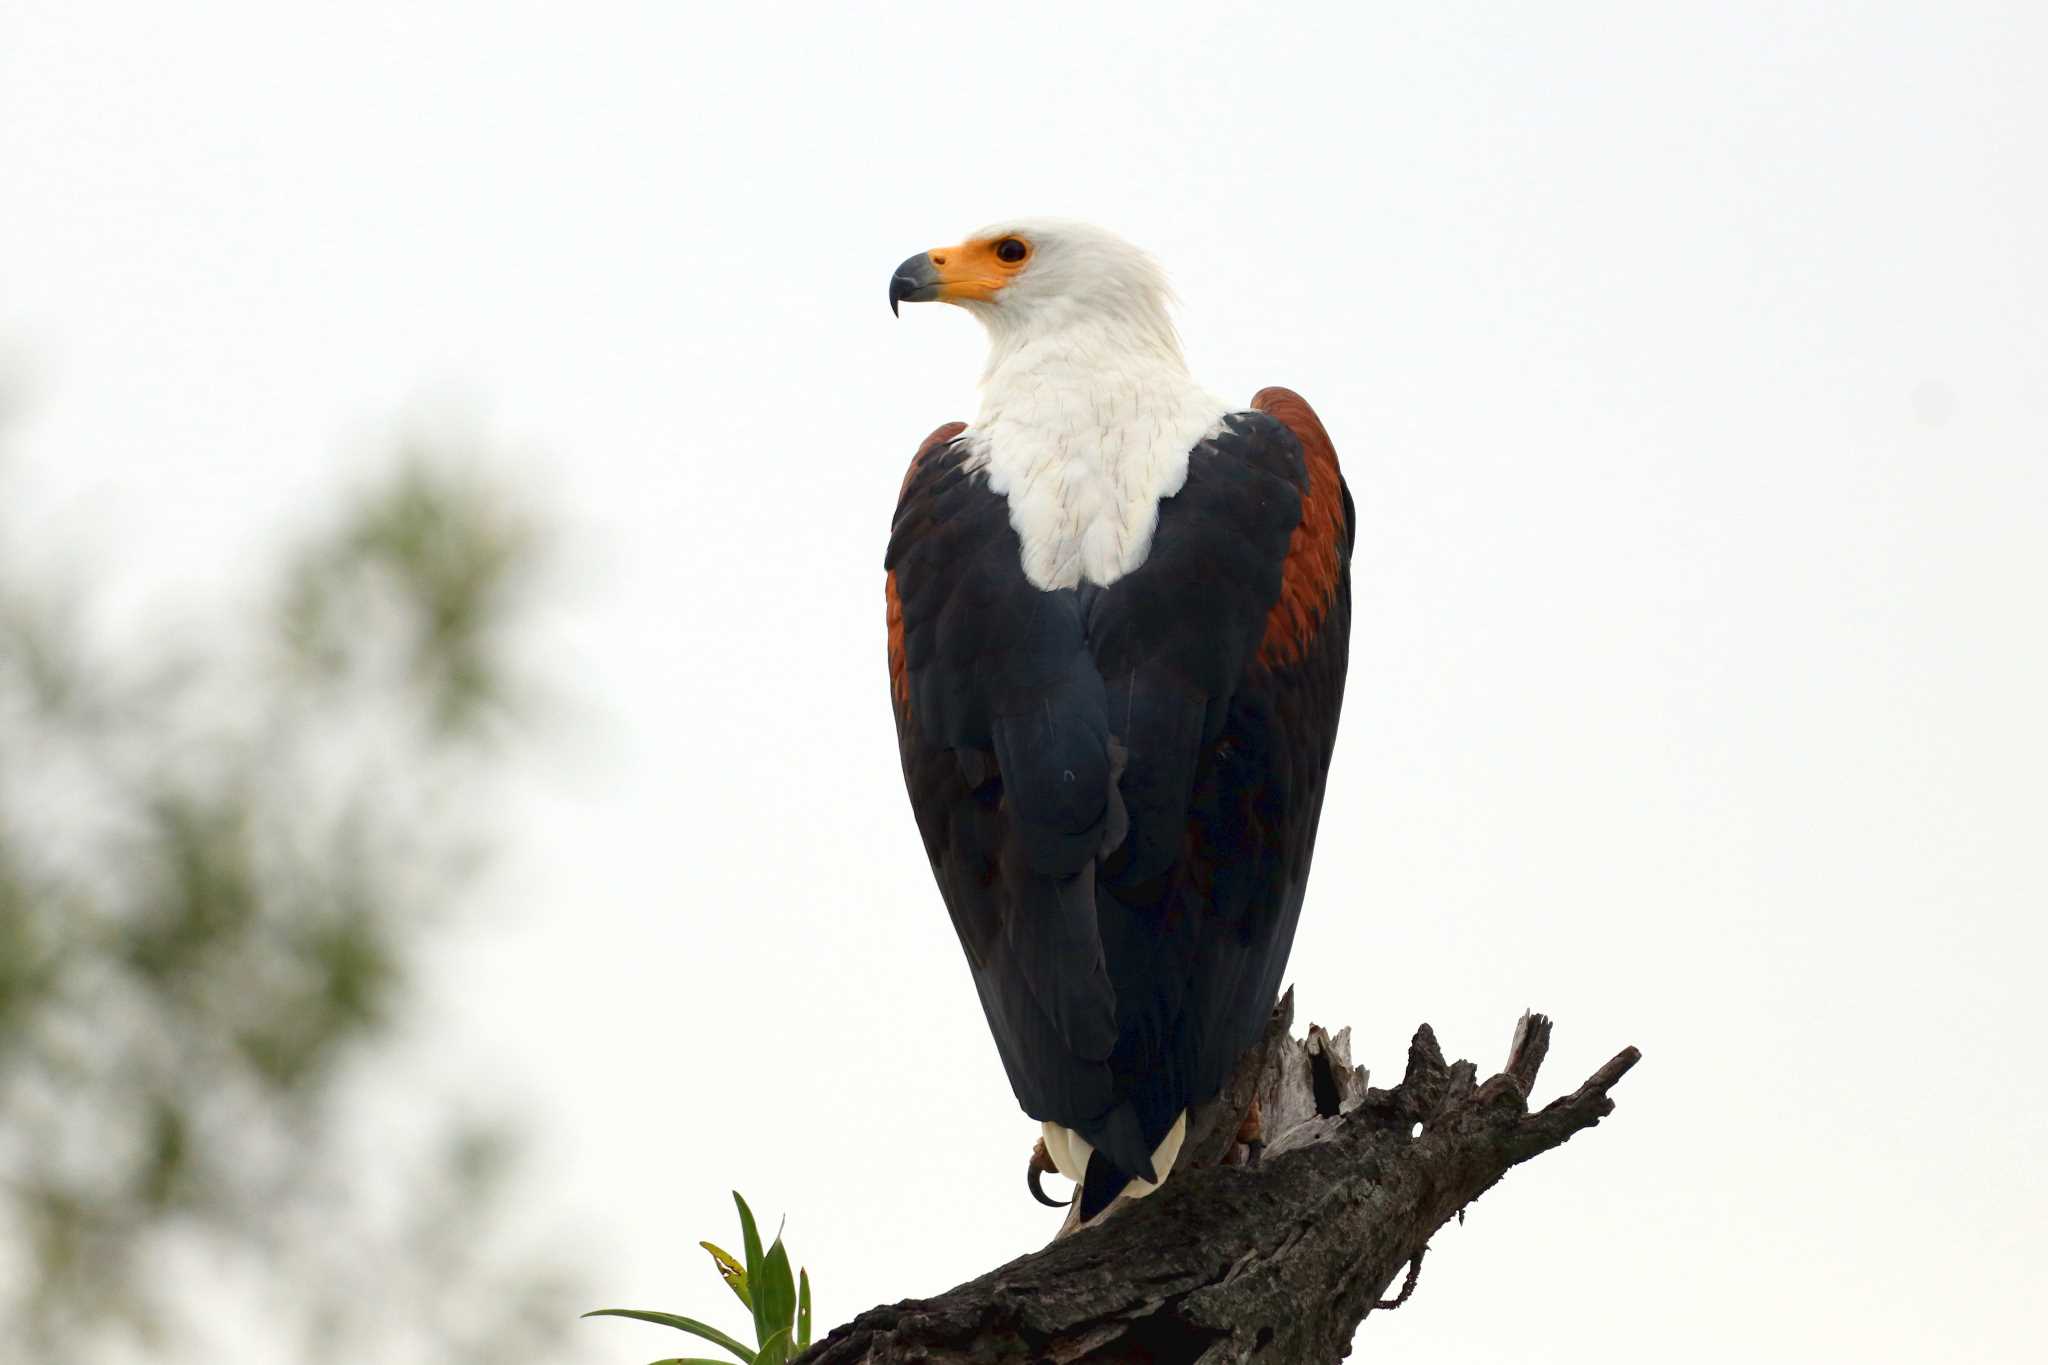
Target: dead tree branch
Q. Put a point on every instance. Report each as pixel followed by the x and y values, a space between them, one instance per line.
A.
pixel 1281 1260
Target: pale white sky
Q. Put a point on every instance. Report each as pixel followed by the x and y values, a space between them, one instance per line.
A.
pixel 1689 364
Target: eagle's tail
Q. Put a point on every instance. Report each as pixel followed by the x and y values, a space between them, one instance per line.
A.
pixel 1101 1179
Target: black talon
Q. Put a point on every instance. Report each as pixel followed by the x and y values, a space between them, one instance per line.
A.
pixel 1252 1152
pixel 1031 1174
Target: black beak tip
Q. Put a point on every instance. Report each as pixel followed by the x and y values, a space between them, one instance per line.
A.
pixel 915 281
pixel 901 287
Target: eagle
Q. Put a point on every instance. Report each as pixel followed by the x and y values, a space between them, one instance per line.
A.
pixel 1119 615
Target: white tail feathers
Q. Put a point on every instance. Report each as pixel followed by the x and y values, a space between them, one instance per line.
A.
pixel 1070 1152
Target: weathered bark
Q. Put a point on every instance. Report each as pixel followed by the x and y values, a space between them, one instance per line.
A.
pixel 1279 1261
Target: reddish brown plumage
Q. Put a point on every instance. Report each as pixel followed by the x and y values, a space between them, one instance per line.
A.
pixel 899 683
pixel 1314 554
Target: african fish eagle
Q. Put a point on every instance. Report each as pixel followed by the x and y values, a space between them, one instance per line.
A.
pixel 1119 609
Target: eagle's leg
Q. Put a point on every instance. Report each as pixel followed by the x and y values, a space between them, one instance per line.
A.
pixel 1252 1134
pixel 1041 1164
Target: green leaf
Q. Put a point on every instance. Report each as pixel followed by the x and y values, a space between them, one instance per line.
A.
pixel 803 1310
pixel 775 1350
pixel 681 1324
pixel 689 1360
pixel 731 1271
pixel 764 1326
pixel 775 1291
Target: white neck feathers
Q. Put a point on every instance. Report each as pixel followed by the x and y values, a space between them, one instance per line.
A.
pixel 1087 419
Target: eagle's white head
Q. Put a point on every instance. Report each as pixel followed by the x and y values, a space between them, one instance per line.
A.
pixel 1088 412
pixel 1035 278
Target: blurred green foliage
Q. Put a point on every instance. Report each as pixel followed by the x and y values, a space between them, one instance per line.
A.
pixel 219 851
pixel 779 1304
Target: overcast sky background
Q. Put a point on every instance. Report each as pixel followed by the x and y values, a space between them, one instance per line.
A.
pixel 1689 365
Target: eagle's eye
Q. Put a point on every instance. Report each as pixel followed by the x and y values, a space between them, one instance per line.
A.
pixel 1011 250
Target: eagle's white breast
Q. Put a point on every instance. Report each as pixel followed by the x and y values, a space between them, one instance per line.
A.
pixel 1083 441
